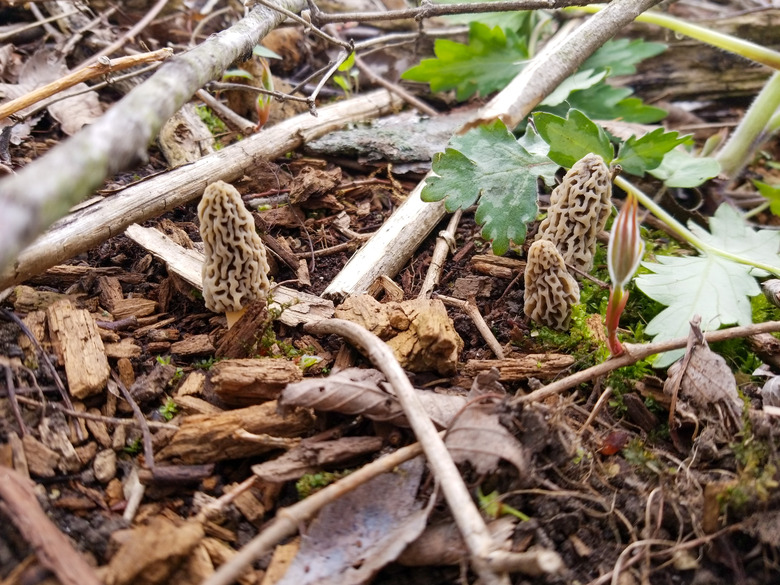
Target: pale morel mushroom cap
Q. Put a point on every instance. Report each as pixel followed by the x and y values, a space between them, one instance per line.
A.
pixel 235 272
pixel 579 208
pixel 550 291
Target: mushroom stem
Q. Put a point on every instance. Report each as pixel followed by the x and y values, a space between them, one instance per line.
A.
pixel 233 317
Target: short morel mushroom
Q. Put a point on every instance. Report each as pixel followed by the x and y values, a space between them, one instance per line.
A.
pixel 235 272
pixel 550 291
pixel 579 208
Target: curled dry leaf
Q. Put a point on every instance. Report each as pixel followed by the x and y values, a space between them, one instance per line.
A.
pixel 358 534
pixel 477 436
pixel 364 391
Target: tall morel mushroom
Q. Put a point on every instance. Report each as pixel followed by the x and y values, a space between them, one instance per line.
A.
pixel 235 272
pixel 579 208
pixel 550 291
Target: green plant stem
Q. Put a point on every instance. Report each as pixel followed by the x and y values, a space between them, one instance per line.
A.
pixel 759 120
pixel 723 41
pixel 684 233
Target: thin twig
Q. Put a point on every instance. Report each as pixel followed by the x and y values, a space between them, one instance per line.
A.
pixel 142 422
pixel 471 524
pixel 412 100
pixel 473 312
pixel 12 398
pixel 103 67
pixel 347 46
pixel 429 10
pixel 30 25
pixel 636 352
pixel 137 28
pixel 445 244
pixel 230 117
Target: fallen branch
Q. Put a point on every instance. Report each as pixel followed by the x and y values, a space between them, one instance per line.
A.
pixel 92 225
pixel 635 352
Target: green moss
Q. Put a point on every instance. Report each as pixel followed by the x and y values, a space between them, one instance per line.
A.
pixel 756 471
pixel 213 123
pixel 313 482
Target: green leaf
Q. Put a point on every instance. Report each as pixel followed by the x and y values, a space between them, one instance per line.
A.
pixel 604 102
pixel 638 155
pixel 770 192
pixel 572 138
pixel 711 286
pixel 348 63
pixel 488 63
pixel 581 80
pixel 261 51
pixel 237 73
pixel 680 169
pixel 620 56
pixel 489 165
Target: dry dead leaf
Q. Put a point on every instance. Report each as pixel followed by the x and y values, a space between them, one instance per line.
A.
pixel 477 436
pixel 358 534
pixel 364 391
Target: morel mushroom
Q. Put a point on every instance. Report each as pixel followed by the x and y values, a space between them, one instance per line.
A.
pixel 579 208
pixel 235 272
pixel 550 291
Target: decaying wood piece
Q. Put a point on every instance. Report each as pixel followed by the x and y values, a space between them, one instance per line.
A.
pixel 152 553
pixel 251 381
pixel 42 191
pixel 100 221
pixel 76 341
pixel 532 365
pixel 299 307
pixel 391 246
pixel 53 550
pixel 498 266
pixel 241 339
pixel 204 438
pixel 419 332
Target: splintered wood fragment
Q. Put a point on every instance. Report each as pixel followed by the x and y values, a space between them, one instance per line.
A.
pixel 240 340
pixel 27 299
pixel 532 365
pixel 498 266
pixel 41 461
pixel 204 438
pixel 241 382
pixel 193 345
pixel 299 307
pixel 52 549
pixel 124 349
pixel 76 341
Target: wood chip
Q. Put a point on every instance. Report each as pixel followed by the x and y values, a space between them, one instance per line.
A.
pixel 536 365
pixel 124 349
pixel 193 345
pixel 497 266
pixel 77 343
pixel 41 461
pixel 249 381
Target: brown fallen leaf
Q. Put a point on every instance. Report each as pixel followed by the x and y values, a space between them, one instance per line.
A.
pixel 358 534
pixel 477 436
pixel 363 391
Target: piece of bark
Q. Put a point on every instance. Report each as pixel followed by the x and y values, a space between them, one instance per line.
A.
pixel 497 266
pixel 536 365
pixel 53 550
pixel 41 461
pixel 185 138
pixel 27 299
pixel 639 414
pixel 312 456
pixel 98 430
pixel 124 349
pixel 299 307
pixel 220 553
pixel 193 345
pixel 419 331
pixel 241 339
pixel 193 405
pixel 193 384
pixel 151 554
pixel 54 434
pixel 36 323
pixel 243 382
pixel 150 386
pixel 77 343
pixel 203 438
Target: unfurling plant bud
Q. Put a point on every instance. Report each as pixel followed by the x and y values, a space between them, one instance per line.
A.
pixel 623 256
